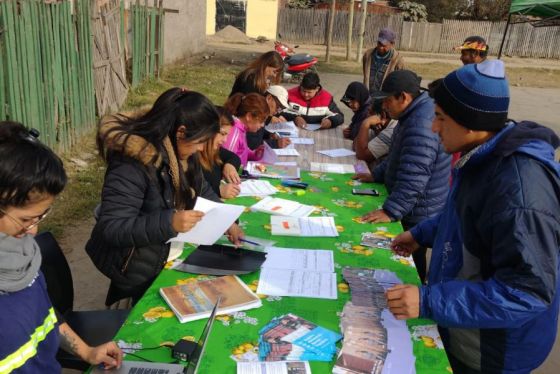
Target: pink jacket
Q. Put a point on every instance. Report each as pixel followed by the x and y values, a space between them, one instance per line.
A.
pixel 237 142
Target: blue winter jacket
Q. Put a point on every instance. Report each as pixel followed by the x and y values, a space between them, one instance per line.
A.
pixel 493 280
pixel 416 171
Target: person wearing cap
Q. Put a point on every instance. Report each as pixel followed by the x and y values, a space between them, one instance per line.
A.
pixel 474 50
pixel 311 103
pixel 277 100
pixel 382 60
pixel 356 97
pixel 416 171
pixel 493 283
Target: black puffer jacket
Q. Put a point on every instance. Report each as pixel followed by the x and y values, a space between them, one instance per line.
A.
pixel 128 242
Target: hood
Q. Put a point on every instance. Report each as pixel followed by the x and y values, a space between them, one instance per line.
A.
pixel 356 91
pixel 115 140
pixel 532 139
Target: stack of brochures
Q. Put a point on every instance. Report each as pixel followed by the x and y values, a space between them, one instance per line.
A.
pixel 282 207
pixel 374 340
pixel 195 300
pixel 378 239
pixel 291 338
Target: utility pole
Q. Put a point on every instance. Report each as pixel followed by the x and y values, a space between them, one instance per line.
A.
pixel 350 29
pixel 330 30
pixel 362 30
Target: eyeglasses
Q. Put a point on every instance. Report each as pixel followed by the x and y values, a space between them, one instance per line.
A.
pixel 24 227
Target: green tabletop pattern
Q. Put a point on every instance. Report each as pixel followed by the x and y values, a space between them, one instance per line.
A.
pixel 152 323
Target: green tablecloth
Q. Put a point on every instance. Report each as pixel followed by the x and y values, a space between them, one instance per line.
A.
pixel 151 322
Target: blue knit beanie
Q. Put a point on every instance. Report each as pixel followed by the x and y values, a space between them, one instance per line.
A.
pixel 476 96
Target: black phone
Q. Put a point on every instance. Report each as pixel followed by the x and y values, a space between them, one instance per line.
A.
pixel 370 192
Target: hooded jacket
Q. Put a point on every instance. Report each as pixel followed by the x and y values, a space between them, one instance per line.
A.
pixel 416 171
pixel 493 280
pixel 357 91
pixel 396 63
pixel 128 241
pixel 315 110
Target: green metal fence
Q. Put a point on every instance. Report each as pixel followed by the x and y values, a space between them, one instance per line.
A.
pixel 46 68
pixel 147 40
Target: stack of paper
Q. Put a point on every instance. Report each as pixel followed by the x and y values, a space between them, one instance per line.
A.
pixel 289 337
pixel 332 168
pixel 378 239
pixel 338 152
pixel 374 341
pixel 286 152
pixel 282 207
pixel 306 226
pixel 277 171
pixel 217 219
pixel 284 129
pixel 254 187
pixel 298 273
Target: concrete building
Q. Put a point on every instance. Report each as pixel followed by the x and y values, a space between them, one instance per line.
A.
pixel 253 17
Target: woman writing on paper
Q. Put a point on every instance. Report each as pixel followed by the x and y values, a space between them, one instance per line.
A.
pixel 152 181
pixel 250 112
pixel 219 163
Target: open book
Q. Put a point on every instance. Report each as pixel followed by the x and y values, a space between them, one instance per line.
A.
pixel 195 300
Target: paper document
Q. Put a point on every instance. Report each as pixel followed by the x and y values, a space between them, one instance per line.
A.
pixel 269 156
pixel 278 171
pixel 256 187
pixel 307 141
pixel 278 367
pixel 332 168
pixel 320 260
pixel 217 219
pixel 282 207
pixel 288 129
pixel 313 126
pixel 303 226
pixel 286 152
pixel 338 152
pixel 297 283
pixel 286 163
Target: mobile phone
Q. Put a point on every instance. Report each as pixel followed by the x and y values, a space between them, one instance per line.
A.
pixel 370 192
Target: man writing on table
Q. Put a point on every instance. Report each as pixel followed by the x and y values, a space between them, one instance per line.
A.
pixel 493 280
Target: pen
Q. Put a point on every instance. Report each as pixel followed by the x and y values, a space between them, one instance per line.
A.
pixel 248 241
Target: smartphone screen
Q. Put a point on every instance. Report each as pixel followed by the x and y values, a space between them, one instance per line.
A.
pixel 370 192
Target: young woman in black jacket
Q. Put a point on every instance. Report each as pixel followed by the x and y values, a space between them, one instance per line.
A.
pixel 151 185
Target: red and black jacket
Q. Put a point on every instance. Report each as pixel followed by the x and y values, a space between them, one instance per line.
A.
pixel 313 111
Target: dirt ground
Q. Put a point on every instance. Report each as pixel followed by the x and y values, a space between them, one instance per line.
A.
pixel 540 105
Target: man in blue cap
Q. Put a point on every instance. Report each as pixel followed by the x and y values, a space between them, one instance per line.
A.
pixel 493 281
pixel 381 61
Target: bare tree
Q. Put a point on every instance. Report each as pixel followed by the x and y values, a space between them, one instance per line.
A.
pixel 350 29
pixel 330 30
pixel 491 10
pixel 362 30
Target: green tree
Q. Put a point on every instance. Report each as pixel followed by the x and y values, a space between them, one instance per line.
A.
pixel 491 10
pixel 412 11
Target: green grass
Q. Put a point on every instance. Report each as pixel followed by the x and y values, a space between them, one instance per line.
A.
pixel 83 191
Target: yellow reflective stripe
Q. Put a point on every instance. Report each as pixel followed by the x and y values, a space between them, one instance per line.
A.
pixel 29 349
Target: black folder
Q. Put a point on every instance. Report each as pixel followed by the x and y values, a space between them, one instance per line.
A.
pixel 220 259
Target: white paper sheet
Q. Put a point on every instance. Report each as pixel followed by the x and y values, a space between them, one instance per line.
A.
pixel 303 226
pixel 217 219
pixel 269 156
pixel 338 152
pixel 286 152
pixel 303 141
pixel 274 367
pixel 289 128
pixel 297 283
pixel 257 187
pixel 282 207
pixel 332 168
pixel 313 126
pixel 299 259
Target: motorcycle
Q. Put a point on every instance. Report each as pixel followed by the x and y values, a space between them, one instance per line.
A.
pixel 296 65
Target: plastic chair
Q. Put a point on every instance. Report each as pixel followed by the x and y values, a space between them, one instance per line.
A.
pixel 94 327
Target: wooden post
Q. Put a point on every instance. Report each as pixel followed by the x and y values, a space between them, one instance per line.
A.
pixel 350 29
pixel 362 30
pixel 330 30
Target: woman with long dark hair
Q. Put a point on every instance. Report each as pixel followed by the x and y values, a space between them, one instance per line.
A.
pixel 152 181
pixel 262 73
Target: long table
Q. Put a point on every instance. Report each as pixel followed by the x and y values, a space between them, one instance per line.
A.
pixel 152 323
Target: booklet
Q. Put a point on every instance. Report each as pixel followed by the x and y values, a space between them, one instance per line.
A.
pixel 217 219
pixel 332 168
pixel 193 301
pixel 282 207
pixel 277 171
pixel 338 152
pixel 303 226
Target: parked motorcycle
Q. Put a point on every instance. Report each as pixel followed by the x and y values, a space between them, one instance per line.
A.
pixel 296 65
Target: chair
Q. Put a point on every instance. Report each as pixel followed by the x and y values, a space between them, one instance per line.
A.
pixel 94 327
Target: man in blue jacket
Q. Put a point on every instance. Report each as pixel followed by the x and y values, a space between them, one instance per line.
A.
pixel 416 171
pixel 493 281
